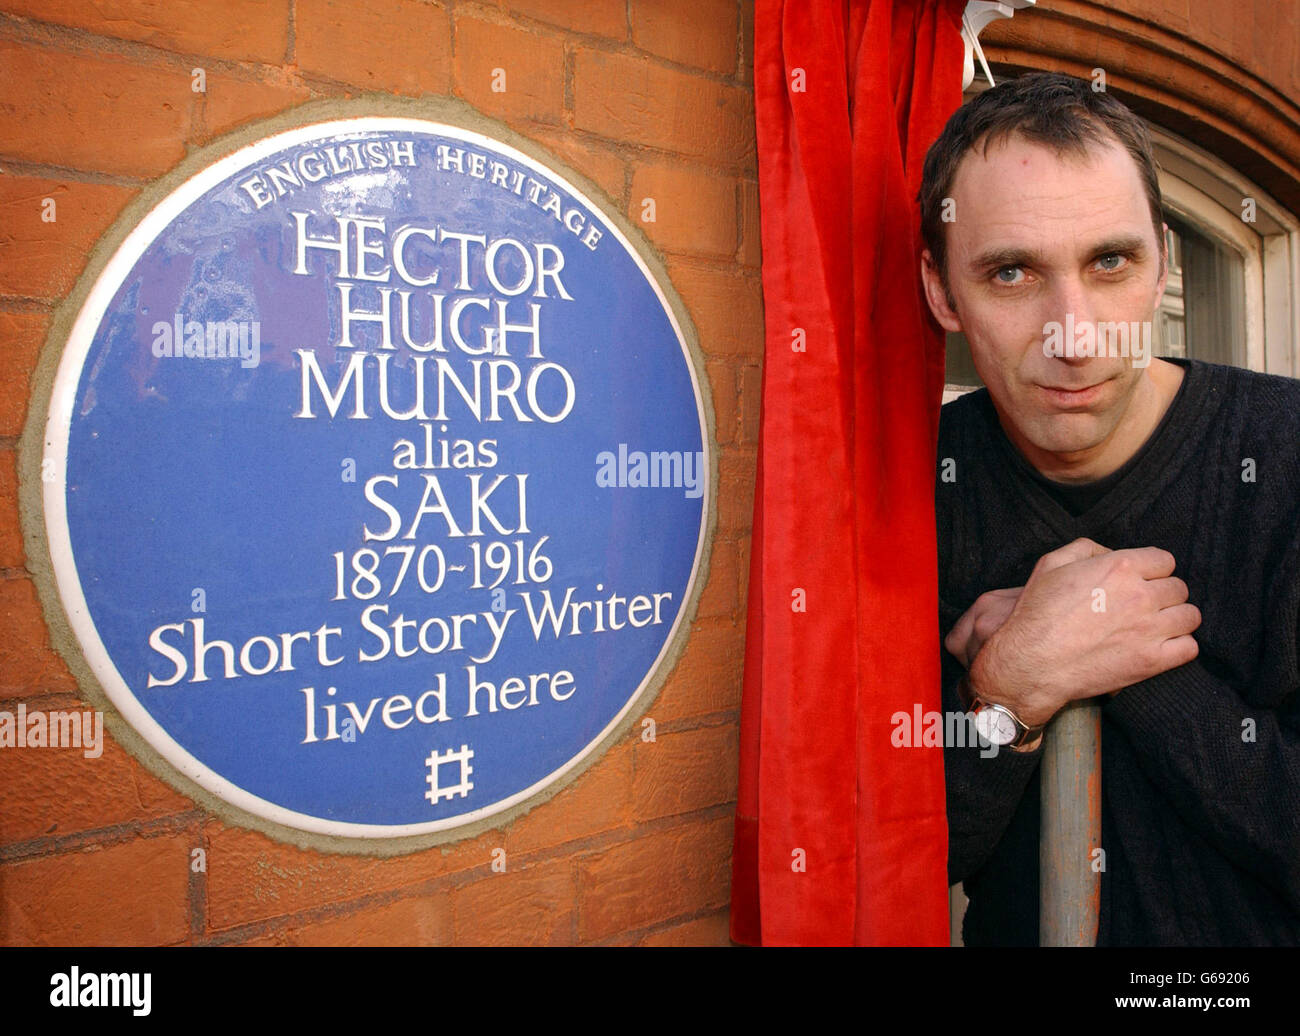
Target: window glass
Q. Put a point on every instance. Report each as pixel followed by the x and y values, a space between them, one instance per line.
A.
pixel 1207 319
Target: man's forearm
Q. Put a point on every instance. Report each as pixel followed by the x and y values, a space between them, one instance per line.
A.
pixel 983 790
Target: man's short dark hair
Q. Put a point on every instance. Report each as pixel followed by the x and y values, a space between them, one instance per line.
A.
pixel 1060 111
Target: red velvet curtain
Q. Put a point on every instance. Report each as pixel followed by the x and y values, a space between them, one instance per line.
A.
pixel 841 838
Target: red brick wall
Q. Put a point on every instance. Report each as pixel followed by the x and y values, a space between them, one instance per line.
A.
pixel 1225 76
pixel 648 98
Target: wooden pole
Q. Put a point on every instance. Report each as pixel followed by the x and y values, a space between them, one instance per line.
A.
pixel 1069 868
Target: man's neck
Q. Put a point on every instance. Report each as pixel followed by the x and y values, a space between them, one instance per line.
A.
pixel 1151 400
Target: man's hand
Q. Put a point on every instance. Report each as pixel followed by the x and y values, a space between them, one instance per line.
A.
pixel 1089 621
pixel 991 609
pixel 979 622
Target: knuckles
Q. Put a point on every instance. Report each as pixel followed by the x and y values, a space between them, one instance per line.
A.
pixel 986 624
pixel 1122 564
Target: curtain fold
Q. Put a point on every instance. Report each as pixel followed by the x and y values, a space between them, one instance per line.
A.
pixel 841 837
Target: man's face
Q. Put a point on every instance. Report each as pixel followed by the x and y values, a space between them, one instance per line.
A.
pixel 1038 237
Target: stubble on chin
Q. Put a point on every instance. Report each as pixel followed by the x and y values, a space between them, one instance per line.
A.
pixel 1065 434
pixel 1068 434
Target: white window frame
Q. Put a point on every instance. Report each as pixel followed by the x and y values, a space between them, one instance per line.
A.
pixel 1207 193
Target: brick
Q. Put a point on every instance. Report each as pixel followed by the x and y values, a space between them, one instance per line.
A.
pixel 621 939
pixel 703 33
pixel 594 161
pixel 271 939
pixel 706 679
pixel 712 930
pixel 509 73
pixel 684 771
pixel 1274 45
pixel 1225 30
pixel 1214 24
pixel 43 260
pixel 746 557
pixel 414 921
pixel 51 792
pixel 727 308
pixel 21 337
pixel 12 554
pixel 232 102
pixel 719 597
pixel 398 45
pixel 751 237
pixel 253 878
pixel 736 472
pixel 84 111
pixel 134 894
pixel 1169 13
pixel 241 30
pixel 156 798
pixel 666 874
pixel 526 906
pixel 600 800
pixel 27 661
pixel 726 404
pixel 694 211
pixel 751 403
pixel 627 98
pixel 596 17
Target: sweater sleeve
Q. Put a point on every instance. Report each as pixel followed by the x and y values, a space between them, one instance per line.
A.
pixel 1232 771
pixel 983 788
pixel 1228 766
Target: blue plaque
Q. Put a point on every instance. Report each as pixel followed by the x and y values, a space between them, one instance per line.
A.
pixel 378 478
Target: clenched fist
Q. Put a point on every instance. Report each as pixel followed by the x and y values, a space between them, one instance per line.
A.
pixel 1089 621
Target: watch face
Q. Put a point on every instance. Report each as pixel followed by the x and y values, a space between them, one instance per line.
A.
pixel 995 726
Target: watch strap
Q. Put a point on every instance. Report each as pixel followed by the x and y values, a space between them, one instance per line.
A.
pixel 1027 739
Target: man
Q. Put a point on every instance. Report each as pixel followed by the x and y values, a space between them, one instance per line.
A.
pixel 1114 527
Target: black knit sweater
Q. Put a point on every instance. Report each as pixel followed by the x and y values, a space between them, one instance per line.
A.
pixel 1200 764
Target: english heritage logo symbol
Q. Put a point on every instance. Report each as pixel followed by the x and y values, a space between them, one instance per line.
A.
pixel 321 580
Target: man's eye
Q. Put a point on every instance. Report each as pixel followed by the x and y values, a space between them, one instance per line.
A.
pixel 1111 262
pixel 1009 275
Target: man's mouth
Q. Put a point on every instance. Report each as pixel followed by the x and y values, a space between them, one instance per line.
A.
pixel 1070 398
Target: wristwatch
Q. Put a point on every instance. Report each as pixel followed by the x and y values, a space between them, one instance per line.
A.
pixel 997 724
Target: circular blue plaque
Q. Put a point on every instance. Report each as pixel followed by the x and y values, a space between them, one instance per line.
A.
pixel 377 478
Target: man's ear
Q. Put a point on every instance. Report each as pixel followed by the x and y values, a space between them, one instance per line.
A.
pixel 936 294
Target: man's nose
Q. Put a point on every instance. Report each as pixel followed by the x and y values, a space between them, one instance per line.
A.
pixel 1070 296
pixel 1070 306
